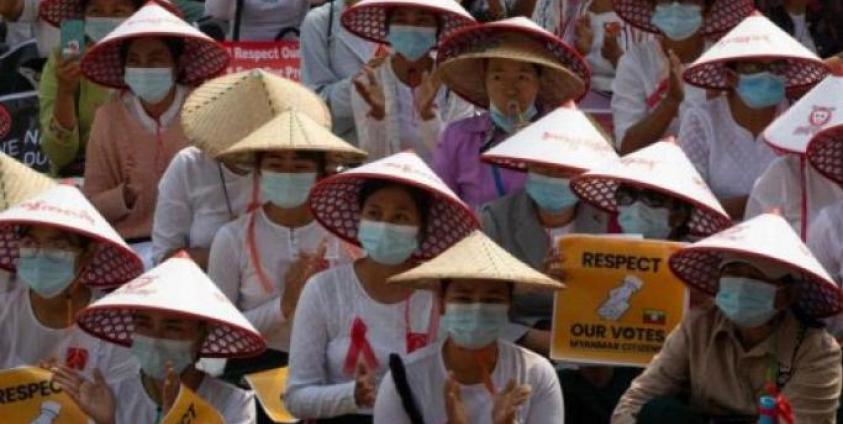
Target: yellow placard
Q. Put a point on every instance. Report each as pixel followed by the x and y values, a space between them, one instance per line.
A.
pixel 189 408
pixel 269 387
pixel 621 302
pixel 28 396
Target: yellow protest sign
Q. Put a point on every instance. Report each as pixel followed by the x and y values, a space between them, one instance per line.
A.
pixel 28 396
pixel 621 302
pixel 269 387
pixel 189 408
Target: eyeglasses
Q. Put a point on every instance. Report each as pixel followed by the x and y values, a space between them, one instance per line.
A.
pixel 778 67
pixel 626 196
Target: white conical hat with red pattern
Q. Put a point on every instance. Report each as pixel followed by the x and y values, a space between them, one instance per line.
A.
pixel 815 111
pixel 721 17
pixel 369 18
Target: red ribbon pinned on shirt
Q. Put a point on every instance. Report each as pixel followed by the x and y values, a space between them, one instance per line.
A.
pixel 359 346
pixel 783 409
pixel 657 95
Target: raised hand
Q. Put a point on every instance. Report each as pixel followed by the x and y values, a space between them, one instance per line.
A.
pixel 94 398
pixel 364 387
pixel 505 403
pixel 298 274
pixel 583 35
pixel 426 95
pixel 676 89
pixel 454 406
pixel 367 84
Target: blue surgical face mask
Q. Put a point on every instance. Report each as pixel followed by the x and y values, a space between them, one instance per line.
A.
pixel 761 90
pixel 509 123
pixel 150 84
pixel 388 244
pixel 474 325
pixel 677 21
pixel 412 42
pixel 153 354
pixel 97 28
pixel 46 271
pixel 286 190
pixel 747 302
pixel 550 194
pixel 638 218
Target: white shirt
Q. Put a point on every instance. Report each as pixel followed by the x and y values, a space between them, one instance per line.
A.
pixel 825 239
pixel 24 341
pixel 231 267
pixel 261 20
pixel 426 375
pixel 402 127
pixel 192 205
pixel 728 157
pixel 640 73
pixel 318 386
pixel 780 188
pixel 801 32
pixel 46 35
pixel 134 405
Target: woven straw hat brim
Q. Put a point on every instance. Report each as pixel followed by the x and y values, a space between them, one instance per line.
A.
pixel 599 190
pixel 55 11
pixel 723 15
pixel 825 152
pixel 476 257
pixel 368 19
pixel 257 96
pixel 462 58
pixel 293 131
pixel 201 59
pixel 19 182
pixel 699 267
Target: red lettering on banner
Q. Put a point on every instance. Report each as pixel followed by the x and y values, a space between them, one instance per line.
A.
pixel 279 57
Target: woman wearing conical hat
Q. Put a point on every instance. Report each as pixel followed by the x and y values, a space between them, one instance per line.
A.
pixel 348 319
pixel 262 260
pixel 155 57
pixel 472 375
pixel 399 103
pixel 754 65
pixel 168 318
pixel 517 71
pixel 760 348
pixel 200 192
pixel 792 185
pixel 63 253
pixel 650 97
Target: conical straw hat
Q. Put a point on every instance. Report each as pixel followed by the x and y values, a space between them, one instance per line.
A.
pixel 66 208
pixel 661 167
pixel 335 202
pixel 56 11
pixel 258 96
pixel 564 138
pixel 202 58
pixel 462 60
pixel 293 130
pixel 756 38
pixel 476 257
pixel 19 182
pixel 765 238
pixel 825 152
pixel 723 15
pixel 177 286
pixel 368 18
pixel 815 111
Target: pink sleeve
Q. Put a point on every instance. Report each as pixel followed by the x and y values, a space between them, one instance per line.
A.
pixel 103 179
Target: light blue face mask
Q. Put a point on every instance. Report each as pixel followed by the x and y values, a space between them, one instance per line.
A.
pixel 150 84
pixel 286 190
pixel 388 244
pixel 761 90
pixel 97 28
pixel 474 325
pixel 509 123
pixel 747 302
pixel 412 42
pixel 638 218
pixel 153 354
pixel 677 21
pixel 46 271
pixel 550 194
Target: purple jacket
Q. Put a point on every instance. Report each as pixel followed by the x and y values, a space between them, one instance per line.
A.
pixel 457 161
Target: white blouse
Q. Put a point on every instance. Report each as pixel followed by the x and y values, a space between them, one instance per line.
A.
pixel 780 188
pixel 426 376
pixel 24 341
pixel 825 239
pixel 728 157
pixel 193 203
pixel 261 20
pixel 640 81
pixel 318 386
pixel 230 266
pixel 402 127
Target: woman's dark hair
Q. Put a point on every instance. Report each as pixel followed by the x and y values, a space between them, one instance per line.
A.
pixel 318 157
pixel 136 3
pixel 824 19
pixel 79 240
pixel 446 282
pixel 421 198
pixel 174 45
